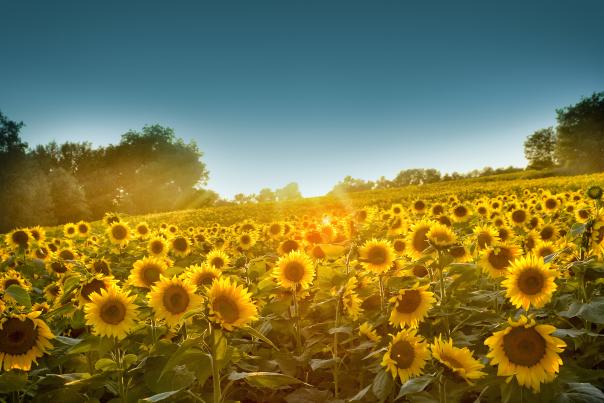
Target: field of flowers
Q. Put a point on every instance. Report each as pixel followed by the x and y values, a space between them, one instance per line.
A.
pixel 467 291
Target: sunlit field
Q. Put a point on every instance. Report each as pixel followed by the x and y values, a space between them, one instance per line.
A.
pixel 461 291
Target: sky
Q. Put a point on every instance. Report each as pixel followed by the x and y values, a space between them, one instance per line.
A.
pixel 309 91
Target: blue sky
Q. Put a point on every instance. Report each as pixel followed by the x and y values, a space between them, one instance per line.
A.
pixel 310 91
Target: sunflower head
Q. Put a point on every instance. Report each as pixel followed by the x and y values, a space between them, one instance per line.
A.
pixel 530 282
pixel 294 269
pixel 157 246
pixel 18 238
pixel 111 313
pixel 411 306
pixel 441 235
pixel 457 360
pixel 497 259
pixel 217 259
pixel 172 298
pixel 119 233
pixel 406 355
pixel 23 339
pixel 417 240
pixel 377 255
pixel 201 275
pixel 147 271
pixel 230 305
pixel 180 246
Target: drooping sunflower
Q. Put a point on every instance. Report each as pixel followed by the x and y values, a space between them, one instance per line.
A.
pixel 406 356
pixel 527 351
pixel 146 271
pixel 351 300
pixel 458 360
pixel 230 304
pixel 201 275
pixel 23 339
pixel 94 285
pixel 368 331
pixel 218 259
pixel 180 246
pixel 377 255
pixel 417 241
pixel 18 238
pixel 497 259
pixel 171 298
pixel 530 282
pixel 294 269
pixel 411 306
pixel 157 247
pixel 119 233
pixel 111 313
pixel 441 235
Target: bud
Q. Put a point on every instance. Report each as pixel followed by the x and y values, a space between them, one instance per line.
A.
pixel 594 192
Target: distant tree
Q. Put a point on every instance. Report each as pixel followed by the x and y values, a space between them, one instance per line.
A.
pixel 266 195
pixel 416 177
pixel 68 197
pixel 288 192
pixel 539 149
pixel 350 184
pixel 580 134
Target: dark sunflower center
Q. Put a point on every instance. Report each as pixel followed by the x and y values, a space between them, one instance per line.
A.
pixel 377 255
pixel 420 242
pixel 113 312
pixel 217 262
pixel 95 285
pixel 600 235
pixel 157 247
pixel 403 354
pixel 409 301
pixel 70 230
pixel 484 239
pixel 58 267
pixel 143 230
pixel 501 260
pixel 457 251
pixel 294 271
pixel 460 211
pixel 584 214
pixel 482 210
pixel 419 205
pixel 450 361
pixel 519 216
pixel 551 203
pixel 227 308
pixel 66 254
pixel 205 279
pixel 547 233
pixel 245 239
pixel 11 281
pixel 83 228
pixel 531 281
pixel 524 347
pixel 275 229
pixel 101 266
pixel 176 299
pixel 17 337
pixel 150 274
pixel 399 245
pixel 438 209
pixel 20 238
pixel 289 246
pixel 119 232
pixel 420 271
pixel 180 244
pixel 41 253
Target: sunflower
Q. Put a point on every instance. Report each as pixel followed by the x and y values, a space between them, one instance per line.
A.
pixel 544 249
pixel 582 213
pixel 519 217
pixel 411 306
pixel 485 236
pixel 201 275
pixel 294 269
pixel 275 230
pixel 368 331
pixel 287 246
pixel 40 252
pixel 23 339
pixel 351 300
pixel 94 285
pixel 58 267
pixel 171 298
pixel 460 253
pixel 551 204
pixel 527 351
pixel 406 356
pixel 146 271
pixel 597 236
pixel 460 213
pixel 417 241
pixel 83 228
pixel 497 259
pixel 530 281
pixel 458 360
pixel 218 259
pixel 37 233
pixel 377 255
pixel 12 277
pixel 142 230
pixel 100 266
pixel 66 254
pixel 157 247
pixel 111 313
pixel 441 235
pixel 119 234
pixel 419 207
pixel 18 238
pixel 70 230
pixel 180 246
pixel 230 304
pixel 247 240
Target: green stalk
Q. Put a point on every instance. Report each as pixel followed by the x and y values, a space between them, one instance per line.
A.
pixel 217 393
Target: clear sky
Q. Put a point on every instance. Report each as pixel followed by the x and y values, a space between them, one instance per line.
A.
pixel 305 91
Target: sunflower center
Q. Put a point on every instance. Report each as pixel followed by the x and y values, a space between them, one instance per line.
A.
pixel 157 247
pixel 275 229
pixel 20 238
pixel 547 233
pixel 66 254
pixel 150 274
pixel 450 361
pixel 11 281
pixel 460 211
pixel 399 245
pixel 294 271
pixel 524 347
pixel 551 203
pixel 113 312
pixel 101 266
pixel 600 235
pixel 438 209
pixel 176 299
pixel 227 308
pixel 83 228
pixel 143 230
pixel 17 337
pixel 409 301
pixel 58 267
pixel 95 285
pixel 245 239
pixel 531 281
pixel 519 216
pixel 420 271
pixel 484 239
pixel 457 251
pixel 403 353
pixel 205 279
pixel 217 262
pixel 119 232
pixel 420 242
pixel 180 244
pixel 501 260
pixel 377 255
pixel 419 205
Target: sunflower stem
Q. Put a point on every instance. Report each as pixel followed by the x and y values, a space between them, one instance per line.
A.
pixel 297 321
pixel 382 294
pixel 217 394
pixel 335 350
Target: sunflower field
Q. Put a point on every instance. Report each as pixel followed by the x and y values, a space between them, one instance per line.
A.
pixel 467 292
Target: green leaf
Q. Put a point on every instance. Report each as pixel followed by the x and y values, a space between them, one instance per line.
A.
pixel 179 355
pixel 361 395
pixel 581 392
pixel 70 284
pixel 160 396
pixel 577 229
pixel 592 312
pixel 220 351
pixel 105 364
pixel 19 294
pixel 415 385
pixel 129 359
pixel 305 395
pixel 318 363
pixel 271 380
pixel 255 333
pixel 382 385
pixel 342 329
pixel 12 381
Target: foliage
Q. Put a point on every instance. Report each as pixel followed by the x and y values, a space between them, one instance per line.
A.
pixel 539 149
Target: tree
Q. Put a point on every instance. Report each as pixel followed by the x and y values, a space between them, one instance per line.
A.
pixel 68 197
pixel 266 195
pixel 539 149
pixel 350 184
pixel 288 192
pixel 580 135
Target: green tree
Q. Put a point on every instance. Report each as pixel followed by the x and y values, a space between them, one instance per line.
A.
pixel 540 148
pixel 266 195
pixel 288 192
pixel 580 133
